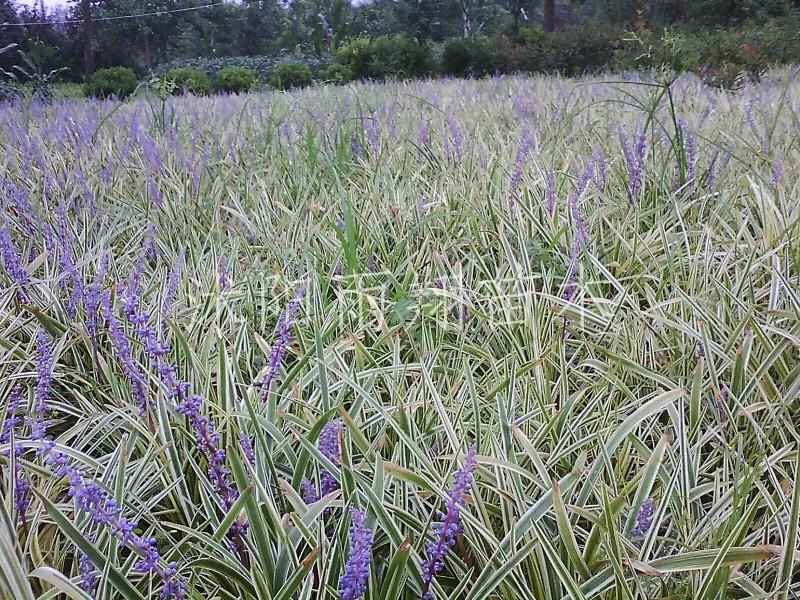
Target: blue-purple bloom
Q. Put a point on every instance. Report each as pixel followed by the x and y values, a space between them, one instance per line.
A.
pixel 88 574
pixel 690 149
pixel 777 171
pixel 94 297
pixel 222 273
pixel 13 264
pixel 174 281
pixel 600 175
pixel 550 191
pixel 353 583
pixel 308 491
pixel 523 151
pixel 282 337
pixel 329 447
pixel 88 495
pixel 206 435
pixel 247 448
pixel 643 520
pixel 22 486
pixel 634 160
pixel 448 524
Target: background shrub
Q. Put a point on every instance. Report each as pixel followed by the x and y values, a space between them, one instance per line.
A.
pixel 400 56
pixel 235 79
pixel 115 81
pixel 261 66
pixel 471 56
pixel 291 75
pixel 188 79
pixel 337 73
pixel 356 55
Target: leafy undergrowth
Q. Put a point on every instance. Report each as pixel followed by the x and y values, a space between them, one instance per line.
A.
pixel 512 338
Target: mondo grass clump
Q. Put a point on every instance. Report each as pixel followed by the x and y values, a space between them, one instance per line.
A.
pixel 509 338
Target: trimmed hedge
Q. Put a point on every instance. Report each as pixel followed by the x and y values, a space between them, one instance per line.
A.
pixel 188 79
pixel 722 56
pixel 261 66
pixel 290 75
pixel 115 81
pixel 388 56
pixel 235 80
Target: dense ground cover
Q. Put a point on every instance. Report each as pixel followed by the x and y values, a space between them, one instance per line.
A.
pixel 253 345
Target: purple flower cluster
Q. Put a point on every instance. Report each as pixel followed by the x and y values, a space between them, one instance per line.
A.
pixel 247 448
pixel 448 525
pixel 282 337
pixel 353 583
pixel 88 495
pixel 122 348
pixel 634 160
pixel 329 448
pixel 643 520
pixel 600 174
pixel 7 436
pixel 308 491
pixel 523 151
pixel 777 171
pixel 690 151
pixel 88 574
pixel 174 281
pixel 222 273
pixel 457 139
pixel 190 405
pixel 550 191
pixel 94 298
pixel 13 265
pixel 581 235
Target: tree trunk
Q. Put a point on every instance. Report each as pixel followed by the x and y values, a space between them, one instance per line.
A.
pixel 41 10
pixel 148 61
pixel 549 15
pixel 88 54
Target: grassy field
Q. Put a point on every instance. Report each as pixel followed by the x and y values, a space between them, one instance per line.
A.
pixel 295 345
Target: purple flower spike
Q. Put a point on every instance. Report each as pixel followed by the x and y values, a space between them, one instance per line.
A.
pixel 329 447
pixel 282 337
pixel 550 192
pixel 353 584
pixel 247 448
pixel 88 495
pixel 13 265
pixel 777 171
pixel 88 575
pixel 222 273
pixel 448 525
pixel 308 491
pixel 174 281
pixel 44 371
pixel 523 151
pixel 643 520
pixel 22 487
pixel 94 297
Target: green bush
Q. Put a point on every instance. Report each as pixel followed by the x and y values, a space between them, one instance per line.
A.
pixel 188 79
pixel 261 66
pixel 473 56
pixel 356 55
pixel 291 75
pixel 400 56
pixel 115 81
pixel 235 80
pixel 338 74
